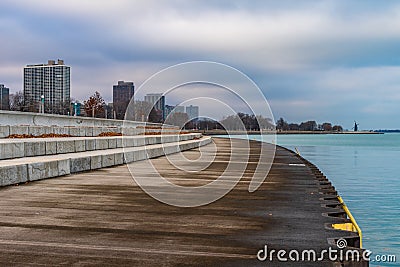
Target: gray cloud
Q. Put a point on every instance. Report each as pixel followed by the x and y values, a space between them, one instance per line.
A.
pixel 333 60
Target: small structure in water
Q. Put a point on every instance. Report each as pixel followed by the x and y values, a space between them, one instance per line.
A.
pixel 355 126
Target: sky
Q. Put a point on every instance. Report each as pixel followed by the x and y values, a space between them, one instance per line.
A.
pixel 335 61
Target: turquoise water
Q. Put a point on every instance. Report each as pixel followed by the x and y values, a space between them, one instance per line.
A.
pixel 365 169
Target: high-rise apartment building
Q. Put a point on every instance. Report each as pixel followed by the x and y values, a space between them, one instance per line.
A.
pixel 4 97
pixel 192 111
pixel 122 95
pixel 47 87
pixel 158 102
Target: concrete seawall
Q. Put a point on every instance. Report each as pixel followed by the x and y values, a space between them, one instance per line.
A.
pixel 36 124
pixel 38 119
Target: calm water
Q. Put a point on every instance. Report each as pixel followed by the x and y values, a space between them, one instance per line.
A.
pixel 365 171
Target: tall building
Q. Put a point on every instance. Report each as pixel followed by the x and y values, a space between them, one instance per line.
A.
pixel 158 102
pixel 47 87
pixel 122 94
pixel 192 111
pixel 4 97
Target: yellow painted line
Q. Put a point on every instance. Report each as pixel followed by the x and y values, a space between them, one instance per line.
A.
pixel 353 221
pixel 344 226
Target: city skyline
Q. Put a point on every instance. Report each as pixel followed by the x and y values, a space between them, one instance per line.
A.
pixel 321 60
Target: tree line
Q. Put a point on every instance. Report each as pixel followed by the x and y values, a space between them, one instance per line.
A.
pixel 246 122
pixel 249 122
pixel 282 125
pixel 237 122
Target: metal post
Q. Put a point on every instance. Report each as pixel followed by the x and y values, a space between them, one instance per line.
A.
pixel 42 103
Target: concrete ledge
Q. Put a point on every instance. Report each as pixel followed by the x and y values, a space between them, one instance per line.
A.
pixel 80 164
pixel 21 170
pixel 101 143
pixel 51 147
pixel 64 167
pixel 90 144
pixel 65 146
pixel 4 131
pixel 13 174
pixel 107 160
pixel 119 158
pixel 88 131
pixel 95 162
pixel 38 119
pixel 32 147
pixel 42 170
pixel 12 150
pixel 19 130
pixel 15 122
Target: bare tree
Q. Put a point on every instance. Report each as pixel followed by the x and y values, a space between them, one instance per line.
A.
pixel 264 123
pixel 155 116
pixel 308 126
pixel 94 106
pixel 282 125
pixel 337 128
pixel 177 119
pixel 294 127
pixel 327 126
pixel 233 122
pixel 17 101
pixel 139 111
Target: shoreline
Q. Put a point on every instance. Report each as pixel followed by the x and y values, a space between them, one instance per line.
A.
pixel 222 132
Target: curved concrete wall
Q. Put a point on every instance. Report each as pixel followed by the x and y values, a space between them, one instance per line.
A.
pixel 28 118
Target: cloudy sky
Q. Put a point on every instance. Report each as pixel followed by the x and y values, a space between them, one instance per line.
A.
pixel 335 61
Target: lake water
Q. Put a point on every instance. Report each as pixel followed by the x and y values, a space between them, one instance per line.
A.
pixel 365 169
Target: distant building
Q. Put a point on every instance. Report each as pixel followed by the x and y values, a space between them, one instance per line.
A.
pixel 192 111
pixel 47 87
pixel 180 109
pixel 4 97
pixel 122 94
pixel 168 110
pixel 158 102
pixel 173 109
pixel 109 111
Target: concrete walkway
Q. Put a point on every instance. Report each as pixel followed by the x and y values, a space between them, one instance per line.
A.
pixel 102 218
